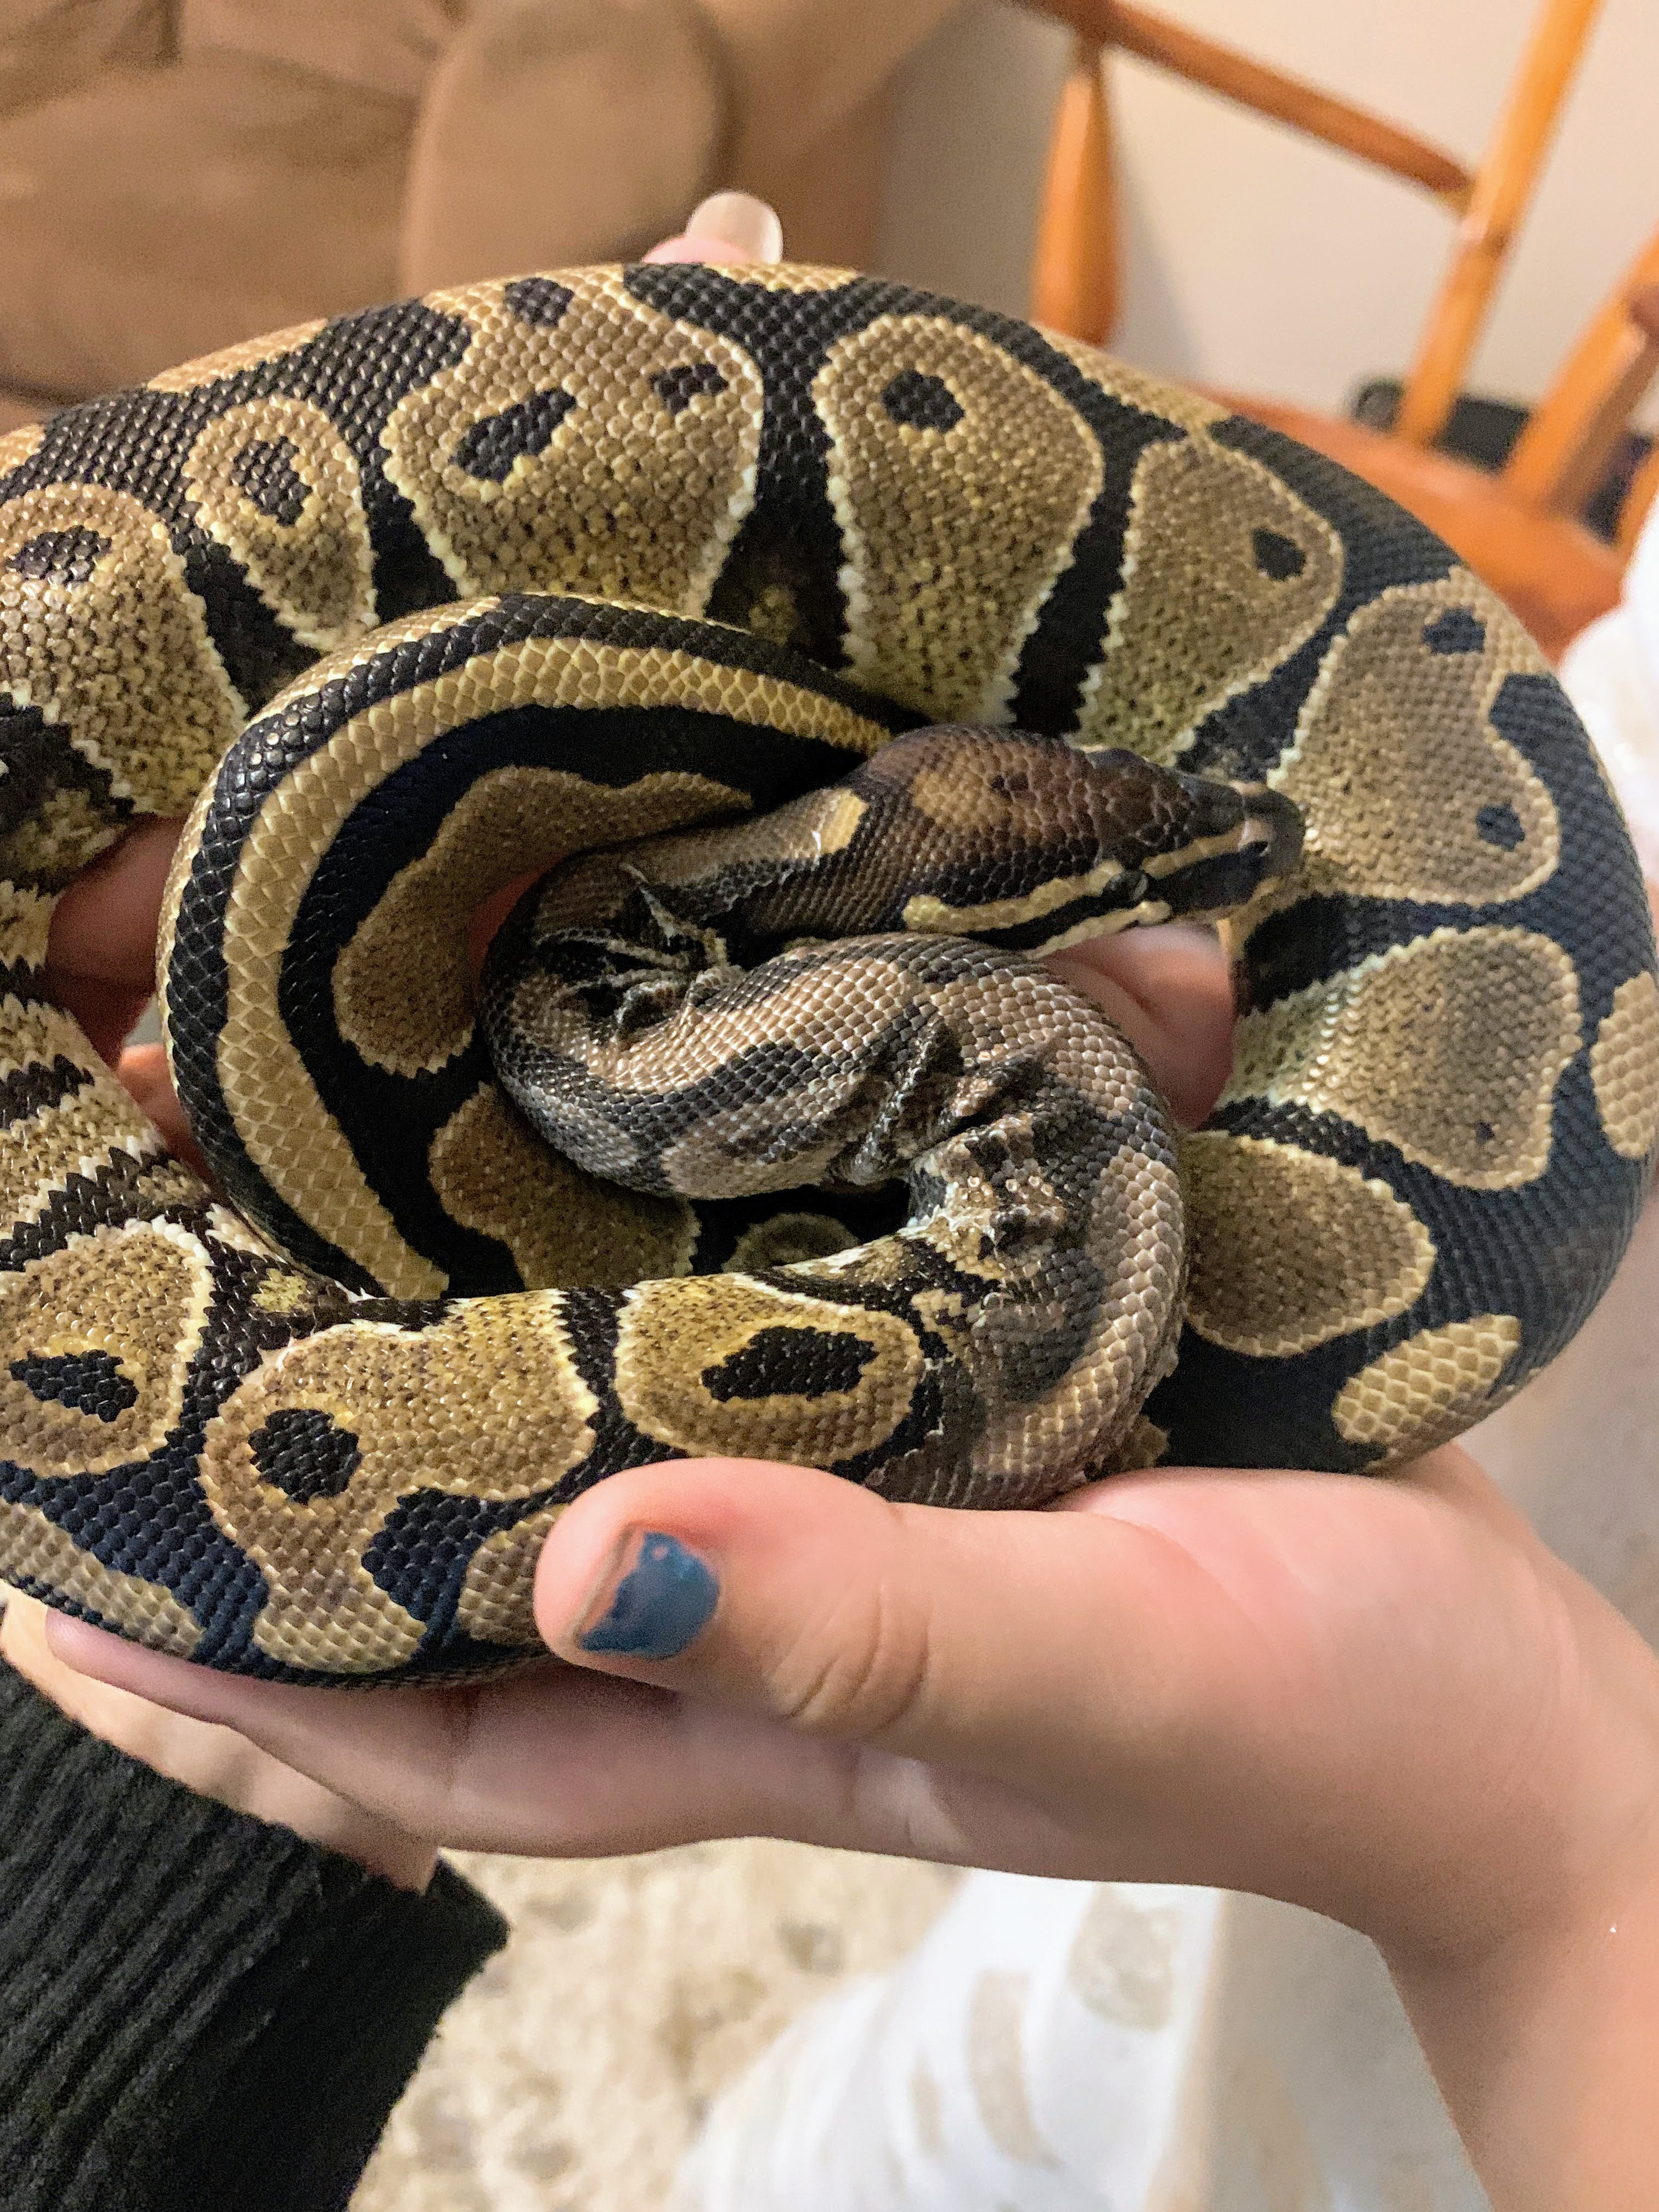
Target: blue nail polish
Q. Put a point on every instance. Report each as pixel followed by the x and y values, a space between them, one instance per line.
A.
pixel 663 1599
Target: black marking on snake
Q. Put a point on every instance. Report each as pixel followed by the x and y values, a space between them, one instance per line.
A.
pixel 1460 630
pixel 142 439
pixel 80 1205
pixel 66 557
pixel 1276 555
pixel 1500 825
pixel 814 1362
pixel 790 544
pixel 304 1453
pixel 40 761
pixel 539 299
pixel 492 445
pixel 921 401
pixel 263 470
pixel 25 1090
pixel 1247 735
pixel 1608 935
pixel 260 653
pixel 1533 1251
pixel 678 387
pixel 90 1383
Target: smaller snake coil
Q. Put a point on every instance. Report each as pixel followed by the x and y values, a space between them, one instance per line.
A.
pixel 846 648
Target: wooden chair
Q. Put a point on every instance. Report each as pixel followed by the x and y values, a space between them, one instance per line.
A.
pixel 1517 528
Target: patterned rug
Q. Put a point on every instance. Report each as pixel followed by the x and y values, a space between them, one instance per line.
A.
pixel 573 2075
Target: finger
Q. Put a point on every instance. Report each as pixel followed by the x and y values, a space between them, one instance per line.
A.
pixel 1178 1644
pixel 727 227
pixel 143 1069
pixel 1171 992
pixel 963 1637
pixel 100 959
pixel 104 926
pixel 553 1760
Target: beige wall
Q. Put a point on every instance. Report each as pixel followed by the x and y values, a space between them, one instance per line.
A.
pixel 1256 260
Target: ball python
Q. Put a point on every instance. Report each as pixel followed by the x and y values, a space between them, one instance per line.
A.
pixel 844 646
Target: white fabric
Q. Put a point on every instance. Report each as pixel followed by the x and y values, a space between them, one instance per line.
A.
pixel 1065 2047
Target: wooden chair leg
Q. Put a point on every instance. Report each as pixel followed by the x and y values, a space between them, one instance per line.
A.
pixel 1076 272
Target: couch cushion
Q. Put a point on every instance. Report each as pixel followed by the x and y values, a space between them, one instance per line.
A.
pixel 159 215
pixel 48 47
pixel 383 46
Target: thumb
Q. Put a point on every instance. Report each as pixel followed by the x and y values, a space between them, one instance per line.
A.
pixel 997 1642
pixel 1325 1688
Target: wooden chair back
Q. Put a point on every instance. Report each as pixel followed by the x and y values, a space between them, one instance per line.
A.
pixel 1570 438
pixel 1076 276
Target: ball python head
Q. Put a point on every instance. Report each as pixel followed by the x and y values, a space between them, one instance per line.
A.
pixel 845 648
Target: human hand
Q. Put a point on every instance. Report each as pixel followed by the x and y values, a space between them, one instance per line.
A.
pixel 1384 1700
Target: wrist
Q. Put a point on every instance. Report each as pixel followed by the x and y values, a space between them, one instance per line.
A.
pixel 1545 2050
pixel 1540 2018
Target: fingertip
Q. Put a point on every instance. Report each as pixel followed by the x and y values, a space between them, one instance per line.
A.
pixel 196 1692
pixel 732 227
pixel 696 249
pixel 637 1565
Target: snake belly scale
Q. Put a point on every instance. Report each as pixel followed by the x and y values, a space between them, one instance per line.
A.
pixel 686 578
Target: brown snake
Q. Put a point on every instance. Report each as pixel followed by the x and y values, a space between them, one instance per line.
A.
pixel 407 606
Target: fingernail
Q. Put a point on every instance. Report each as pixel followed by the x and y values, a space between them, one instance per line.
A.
pixel 738 219
pixel 659 1603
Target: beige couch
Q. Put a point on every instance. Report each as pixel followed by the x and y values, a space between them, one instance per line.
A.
pixel 176 175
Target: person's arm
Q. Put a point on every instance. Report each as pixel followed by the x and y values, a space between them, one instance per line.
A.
pixel 203 2010
pixel 1547 2055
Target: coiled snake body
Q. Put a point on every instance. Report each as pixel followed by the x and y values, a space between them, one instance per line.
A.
pixel 547 567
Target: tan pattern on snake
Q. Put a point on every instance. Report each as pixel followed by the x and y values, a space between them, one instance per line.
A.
pixel 764 1134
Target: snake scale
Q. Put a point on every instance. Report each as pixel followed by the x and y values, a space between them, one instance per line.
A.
pixel 846 647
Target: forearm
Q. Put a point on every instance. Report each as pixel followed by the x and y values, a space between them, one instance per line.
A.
pixel 203 2010
pixel 1547 2055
